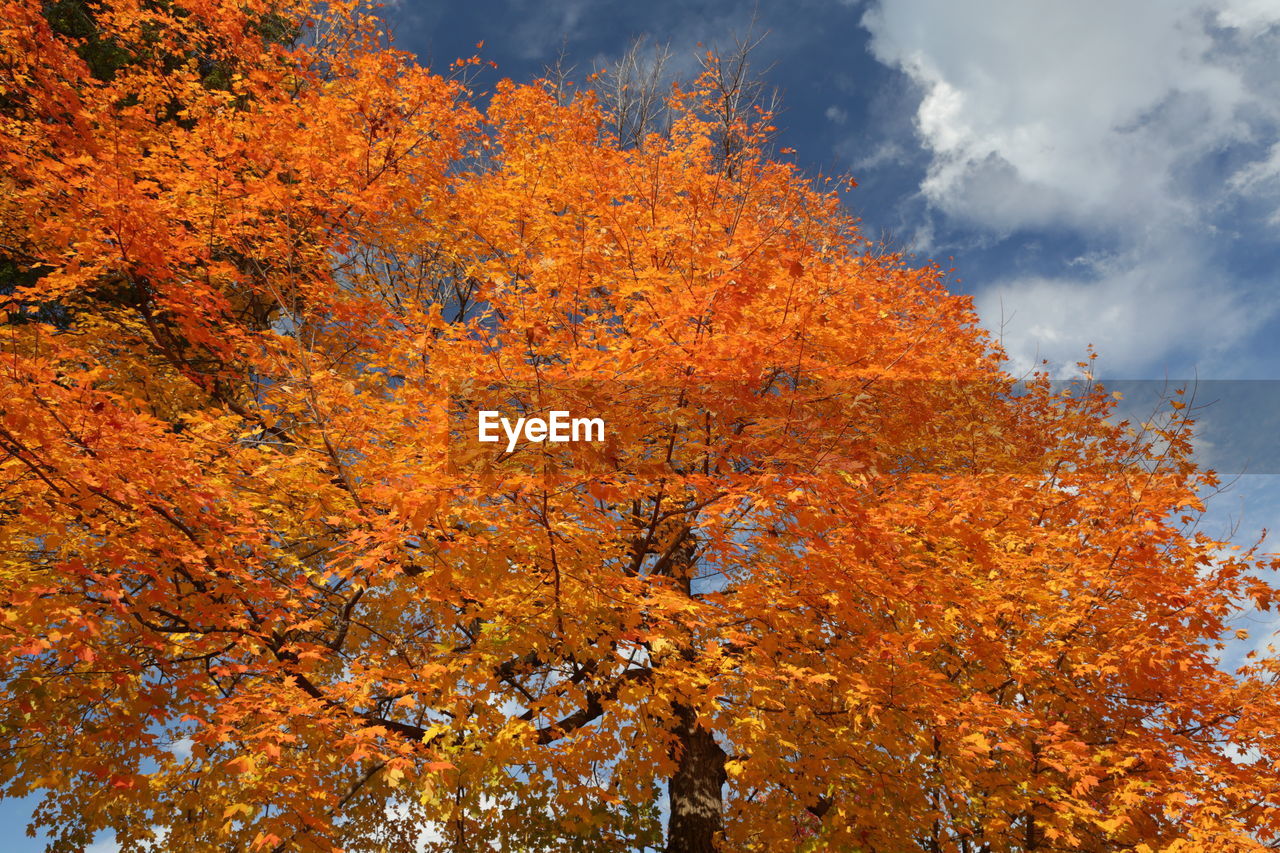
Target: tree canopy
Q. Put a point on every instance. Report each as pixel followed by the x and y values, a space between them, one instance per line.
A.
pixel 833 580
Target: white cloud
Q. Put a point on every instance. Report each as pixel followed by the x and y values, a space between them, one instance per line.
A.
pixel 1127 308
pixel 837 114
pixel 1252 16
pixel 1096 117
pixel 885 153
pixel 181 748
pixel 1261 178
pixel 1067 113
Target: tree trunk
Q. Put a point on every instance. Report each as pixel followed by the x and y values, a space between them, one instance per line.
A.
pixel 694 790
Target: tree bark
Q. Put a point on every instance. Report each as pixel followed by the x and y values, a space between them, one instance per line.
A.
pixel 694 790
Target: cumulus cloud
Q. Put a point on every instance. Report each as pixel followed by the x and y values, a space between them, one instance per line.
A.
pixel 1127 308
pixel 1250 15
pixel 1103 119
pixel 1040 114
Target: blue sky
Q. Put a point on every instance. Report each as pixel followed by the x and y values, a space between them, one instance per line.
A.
pixel 1102 173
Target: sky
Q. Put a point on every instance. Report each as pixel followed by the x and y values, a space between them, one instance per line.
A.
pixel 1101 174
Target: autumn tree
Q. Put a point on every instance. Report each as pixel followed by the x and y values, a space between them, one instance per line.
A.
pixel 832 580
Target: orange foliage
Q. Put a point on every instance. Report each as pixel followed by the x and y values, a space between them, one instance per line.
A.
pixel 264 591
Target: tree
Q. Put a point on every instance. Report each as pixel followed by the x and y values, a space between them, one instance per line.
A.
pixel 830 579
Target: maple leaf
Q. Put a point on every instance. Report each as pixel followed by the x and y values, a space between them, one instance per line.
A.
pixel 828 582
